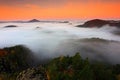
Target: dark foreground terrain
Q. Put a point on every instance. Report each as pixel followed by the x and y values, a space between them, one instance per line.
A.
pixel 18 63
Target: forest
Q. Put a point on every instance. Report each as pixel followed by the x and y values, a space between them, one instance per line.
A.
pixel 18 60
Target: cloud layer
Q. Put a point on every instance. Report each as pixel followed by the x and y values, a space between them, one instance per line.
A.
pixel 50 40
pixel 51 2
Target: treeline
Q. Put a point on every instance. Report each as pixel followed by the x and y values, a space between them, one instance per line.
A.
pixel 75 68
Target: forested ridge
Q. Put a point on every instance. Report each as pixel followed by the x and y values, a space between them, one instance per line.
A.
pixel 16 63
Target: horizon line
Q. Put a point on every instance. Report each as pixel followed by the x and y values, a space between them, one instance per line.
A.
pixel 58 19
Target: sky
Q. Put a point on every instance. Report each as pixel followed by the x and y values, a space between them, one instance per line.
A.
pixel 59 9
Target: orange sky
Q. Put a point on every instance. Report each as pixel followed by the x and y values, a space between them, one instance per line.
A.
pixel 68 10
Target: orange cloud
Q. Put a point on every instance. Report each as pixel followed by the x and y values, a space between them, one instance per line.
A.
pixel 70 10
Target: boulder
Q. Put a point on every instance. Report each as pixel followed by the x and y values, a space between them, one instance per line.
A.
pixel 37 73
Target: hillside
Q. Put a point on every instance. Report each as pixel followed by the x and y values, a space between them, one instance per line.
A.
pixel 13 60
pixel 15 64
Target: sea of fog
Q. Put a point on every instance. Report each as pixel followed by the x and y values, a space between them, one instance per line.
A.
pixel 49 40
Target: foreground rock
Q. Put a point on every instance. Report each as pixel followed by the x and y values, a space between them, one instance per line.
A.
pixel 33 74
pixel 100 23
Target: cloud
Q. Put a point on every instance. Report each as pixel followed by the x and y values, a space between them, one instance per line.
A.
pixel 56 39
pixel 35 2
pixel 48 2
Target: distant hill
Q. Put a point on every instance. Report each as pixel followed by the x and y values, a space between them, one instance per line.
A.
pixel 100 23
pixel 34 20
pixel 8 26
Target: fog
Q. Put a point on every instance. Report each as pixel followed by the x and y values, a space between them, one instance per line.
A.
pixel 49 40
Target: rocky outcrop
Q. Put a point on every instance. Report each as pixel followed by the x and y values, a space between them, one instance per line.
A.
pixel 33 74
pixel 100 23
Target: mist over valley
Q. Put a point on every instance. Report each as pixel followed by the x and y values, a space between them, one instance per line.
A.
pixel 52 39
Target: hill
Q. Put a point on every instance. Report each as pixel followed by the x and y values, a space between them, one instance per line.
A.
pixel 100 23
pixel 34 20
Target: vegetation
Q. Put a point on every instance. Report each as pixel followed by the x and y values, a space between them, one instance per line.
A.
pixel 13 60
pixel 75 68
pixel 17 61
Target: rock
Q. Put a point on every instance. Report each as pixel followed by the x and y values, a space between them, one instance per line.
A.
pixel 37 73
pixel 100 23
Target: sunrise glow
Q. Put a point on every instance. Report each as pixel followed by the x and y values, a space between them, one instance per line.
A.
pixel 62 10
